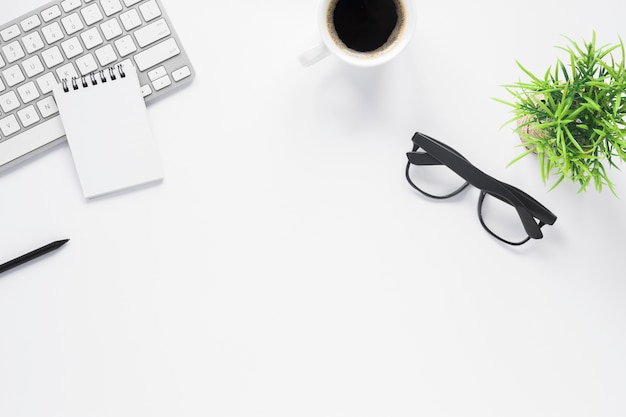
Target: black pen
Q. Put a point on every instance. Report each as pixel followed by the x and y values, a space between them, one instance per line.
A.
pixel 32 255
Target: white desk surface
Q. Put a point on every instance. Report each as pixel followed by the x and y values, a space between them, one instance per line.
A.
pixel 286 268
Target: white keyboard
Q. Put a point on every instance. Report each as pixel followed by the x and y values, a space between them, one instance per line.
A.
pixel 72 38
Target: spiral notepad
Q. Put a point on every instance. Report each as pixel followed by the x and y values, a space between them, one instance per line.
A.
pixel 108 131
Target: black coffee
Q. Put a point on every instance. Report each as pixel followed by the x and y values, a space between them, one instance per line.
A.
pixel 365 25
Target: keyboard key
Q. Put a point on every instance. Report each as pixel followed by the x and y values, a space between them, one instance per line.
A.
pixel 111 7
pixel 9 101
pixel 129 3
pixel 181 73
pixel 86 64
pixel 106 55
pixel 30 23
pixel 13 75
pixel 9 33
pixel 127 63
pixel 153 32
pixel 33 66
pixel 69 5
pixel 52 57
pixel 130 19
pixel 161 83
pixel 13 51
pixel 47 107
pixel 28 92
pixel 2 86
pixel 157 54
pixel 150 10
pixel 111 29
pixel 125 46
pixel 33 42
pixel 28 116
pixel 146 90
pixel 67 72
pixel 51 13
pixel 92 14
pixel 72 23
pixel 9 125
pixel 91 38
pixel 52 33
pixel 157 73
pixel 72 47
pixel 46 82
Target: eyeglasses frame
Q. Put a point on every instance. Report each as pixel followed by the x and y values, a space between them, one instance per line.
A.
pixel 528 209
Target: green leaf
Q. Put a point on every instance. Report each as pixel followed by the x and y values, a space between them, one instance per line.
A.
pixel 564 71
pixel 530 74
pixel 592 104
pixel 521 156
pixel 561 178
pixel 616 105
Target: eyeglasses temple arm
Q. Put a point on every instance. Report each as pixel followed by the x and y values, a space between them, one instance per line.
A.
pixel 421 158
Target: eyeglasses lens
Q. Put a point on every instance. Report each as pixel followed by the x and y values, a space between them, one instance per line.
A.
pixel 436 181
pixel 502 220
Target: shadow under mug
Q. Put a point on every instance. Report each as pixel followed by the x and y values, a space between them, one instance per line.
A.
pixel 363 33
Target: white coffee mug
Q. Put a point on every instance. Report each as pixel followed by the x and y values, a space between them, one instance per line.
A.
pixel 360 37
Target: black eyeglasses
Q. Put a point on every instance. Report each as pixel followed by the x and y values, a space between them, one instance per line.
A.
pixel 515 222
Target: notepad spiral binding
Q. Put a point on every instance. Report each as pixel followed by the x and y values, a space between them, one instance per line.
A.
pixel 108 74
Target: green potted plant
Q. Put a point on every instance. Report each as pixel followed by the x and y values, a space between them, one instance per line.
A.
pixel 573 118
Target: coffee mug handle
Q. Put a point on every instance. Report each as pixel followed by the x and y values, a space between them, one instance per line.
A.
pixel 313 55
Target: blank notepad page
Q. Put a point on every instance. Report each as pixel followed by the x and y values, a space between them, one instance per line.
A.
pixel 108 131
